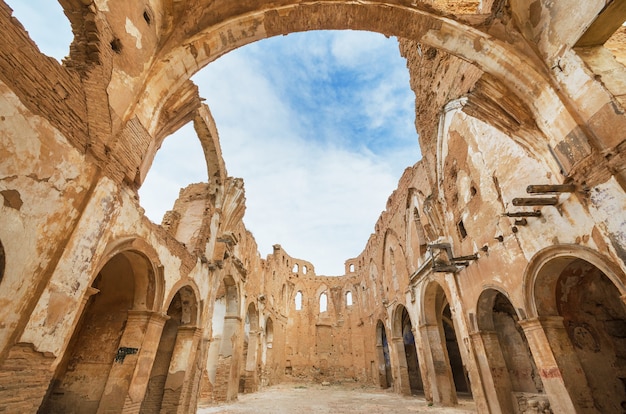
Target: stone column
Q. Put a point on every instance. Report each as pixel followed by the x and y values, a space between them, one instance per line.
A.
pixel 251 362
pixel 401 383
pixel 422 346
pixel 443 390
pixel 145 360
pixel 493 371
pixel 181 369
pixel 121 375
pixel 560 370
pixel 227 375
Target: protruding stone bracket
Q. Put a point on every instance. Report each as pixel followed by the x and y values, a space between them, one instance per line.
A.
pixel 455 263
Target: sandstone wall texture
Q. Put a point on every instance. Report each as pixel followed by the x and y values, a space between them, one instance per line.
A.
pixel 498 267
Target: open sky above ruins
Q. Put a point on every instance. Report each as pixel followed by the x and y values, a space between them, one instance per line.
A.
pixel 319 125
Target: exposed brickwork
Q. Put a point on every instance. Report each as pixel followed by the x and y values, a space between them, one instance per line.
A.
pixel 24 378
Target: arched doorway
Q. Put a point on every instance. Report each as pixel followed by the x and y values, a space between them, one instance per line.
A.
pixel 408 370
pixel 444 353
pixel 166 384
pixel 594 317
pixel 515 375
pixel 98 352
pixel 382 350
pixel 248 379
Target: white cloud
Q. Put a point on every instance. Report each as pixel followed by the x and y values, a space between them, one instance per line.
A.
pixel 318 157
pixel 353 49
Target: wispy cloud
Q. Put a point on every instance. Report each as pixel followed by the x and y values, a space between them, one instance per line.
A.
pixel 319 125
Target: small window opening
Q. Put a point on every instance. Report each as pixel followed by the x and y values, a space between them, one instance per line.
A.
pixel 462 230
pixel 323 302
pixel 348 298
pixel 295 268
pixel 146 17
pixel 352 268
pixel 304 269
pixel 299 301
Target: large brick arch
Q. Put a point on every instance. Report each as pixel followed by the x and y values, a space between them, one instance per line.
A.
pixel 189 49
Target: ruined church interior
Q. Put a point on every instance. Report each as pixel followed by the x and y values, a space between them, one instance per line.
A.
pixel 496 272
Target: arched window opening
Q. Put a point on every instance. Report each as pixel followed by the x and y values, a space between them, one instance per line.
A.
pixel 323 302
pixel 295 268
pixel 269 332
pixel 304 269
pixel 299 301
pixel 179 162
pixel 352 268
pixel 348 298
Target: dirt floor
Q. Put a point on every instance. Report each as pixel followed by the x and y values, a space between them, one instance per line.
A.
pixel 315 398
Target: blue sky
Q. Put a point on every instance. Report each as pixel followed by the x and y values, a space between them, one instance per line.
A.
pixel 319 125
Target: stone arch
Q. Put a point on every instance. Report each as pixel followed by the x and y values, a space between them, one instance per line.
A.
pixel 105 341
pixel 189 295
pixel 408 378
pixel 581 298
pixel 510 360
pixel 238 26
pixel 543 270
pixel 174 361
pixel 442 346
pixel 385 378
pixel 149 281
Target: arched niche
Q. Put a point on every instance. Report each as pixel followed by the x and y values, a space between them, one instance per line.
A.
pixel 584 293
pixel 395 271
